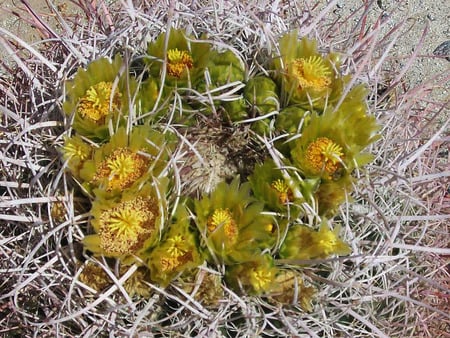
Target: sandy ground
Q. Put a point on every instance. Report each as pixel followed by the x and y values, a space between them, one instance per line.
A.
pixel 433 14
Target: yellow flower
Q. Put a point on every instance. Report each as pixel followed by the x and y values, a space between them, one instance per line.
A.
pixel 222 218
pixel 306 77
pixel 283 190
pixel 185 57
pixel 279 189
pixel 311 73
pixel 178 61
pixel 324 155
pixel 75 147
pixel 75 151
pixel 96 96
pixel 255 276
pixel 128 225
pixel 303 242
pixel 327 242
pixel 232 223
pixel 120 169
pixel 99 101
pixel 261 278
pixel 176 253
pixel 124 228
pixel 126 161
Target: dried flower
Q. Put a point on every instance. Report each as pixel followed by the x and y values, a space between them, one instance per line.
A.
pixel 94 276
pixel 206 285
pixel 289 288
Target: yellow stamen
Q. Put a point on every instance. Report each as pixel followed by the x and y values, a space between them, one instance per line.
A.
pixel 284 192
pixel 324 155
pixel 76 148
pixel 122 168
pixel 327 241
pixel 171 263
pixel 261 279
pixel 223 218
pixel 311 73
pixel 124 228
pixel 178 61
pixel 269 228
pixel 176 248
pixel 96 104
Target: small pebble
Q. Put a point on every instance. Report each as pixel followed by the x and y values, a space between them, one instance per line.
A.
pixel 443 50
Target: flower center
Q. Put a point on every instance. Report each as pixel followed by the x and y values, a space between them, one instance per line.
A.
pixel 178 61
pixel 178 254
pixel 284 192
pixel 324 155
pixel 124 228
pixel 95 104
pixel 327 242
pixel 176 248
pixel 122 168
pixel 223 218
pixel 311 73
pixel 75 147
pixel 261 279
